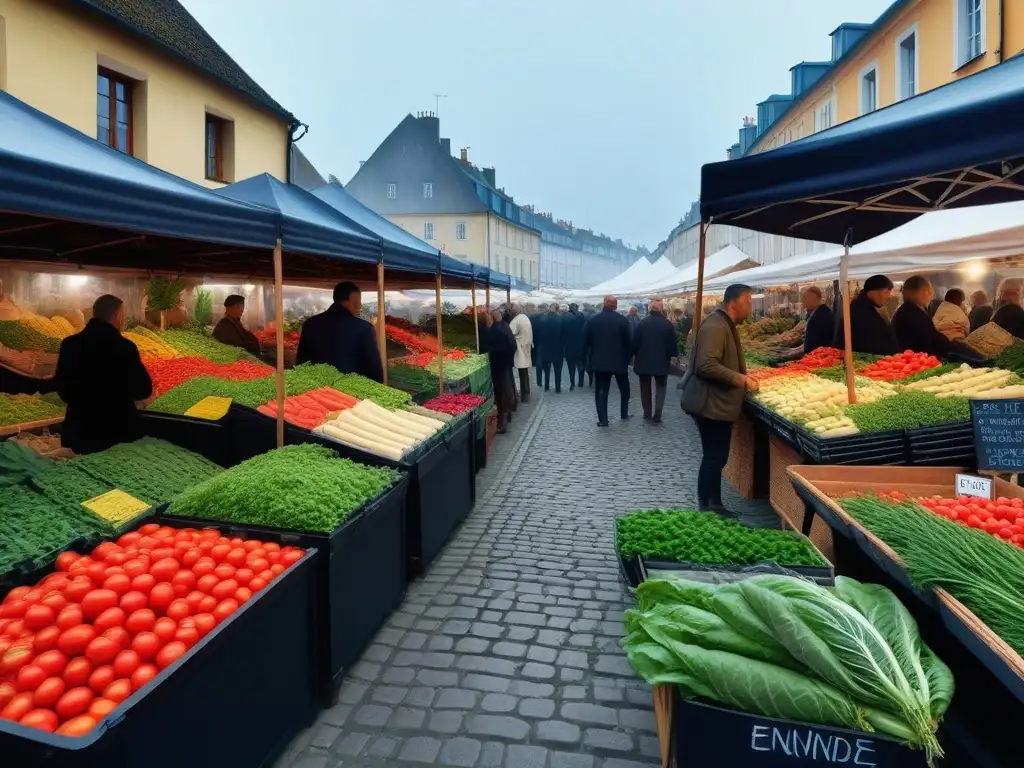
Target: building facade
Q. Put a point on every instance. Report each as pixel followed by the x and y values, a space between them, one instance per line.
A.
pixel 144 77
pixel 413 179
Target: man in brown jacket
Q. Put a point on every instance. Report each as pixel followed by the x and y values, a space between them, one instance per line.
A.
pixel 229 330
pixel 713 388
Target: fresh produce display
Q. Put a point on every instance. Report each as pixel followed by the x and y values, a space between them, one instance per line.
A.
pixel 310 409
pixel 908 410
pixel 413 340
pixel 967 382
pixel 363 388
pixel 382 432
pixel 56 328
pixel 169 373
pixel 298 487
pixel 21 337
pixel 105 625
pixel 454 404
pixel 268 338
pixel 34 528
pixel 1012 358
pixel 149 344
pixel 766 326
pixel 21 409
pixel 198 344
pixel 984 572
pixel 65 482
pixel 896 367
pixel 1000 517
pixel 702 537
pixel 429 413
pixel 782 647
pixel 18 463
pixel 817 403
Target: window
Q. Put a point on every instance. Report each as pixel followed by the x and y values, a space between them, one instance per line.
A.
pixel 969 26
pixel 906 64
pixel 460 230
pixel 428 230
pixel 428 189
pixel 824 117
pixel 392 191
pixel 869 88
pixel 216 147
pixel 114 110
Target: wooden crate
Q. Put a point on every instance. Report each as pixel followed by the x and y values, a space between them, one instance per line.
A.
pixel 785 501
pixel 739 470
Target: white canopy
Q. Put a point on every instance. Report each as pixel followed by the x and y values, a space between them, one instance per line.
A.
pixel 929 243
pixel 640 270
pixel 684 278
pixel 627 283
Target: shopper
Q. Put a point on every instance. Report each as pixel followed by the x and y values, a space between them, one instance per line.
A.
pixel 536 320
pixel 100 377
pixel 981 310
pixel 522 330
pixel 341 338
pixel 655 348
pixel 634 320
pixel 1009 316
pixel 913 326
pixel 552 346
pixel 229 329
pixel 821 323
pixel 501 349
pixel 871 331
pixel 607 344
pixel 951 318
pixel 713 388
pixel 573 327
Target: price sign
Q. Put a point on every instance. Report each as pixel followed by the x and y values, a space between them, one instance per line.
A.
pixel 211 408
pixel 972 485
pixel 999 434
pixel 116 506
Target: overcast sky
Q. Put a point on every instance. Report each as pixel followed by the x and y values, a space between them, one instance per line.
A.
pixel 601 113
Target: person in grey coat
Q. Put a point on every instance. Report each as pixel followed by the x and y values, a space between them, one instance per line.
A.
pixel 654 347
pixel 713 389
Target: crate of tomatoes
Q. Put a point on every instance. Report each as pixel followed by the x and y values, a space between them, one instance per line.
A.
pixel 165 636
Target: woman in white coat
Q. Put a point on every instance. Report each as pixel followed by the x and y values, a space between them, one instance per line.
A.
pixel 523 331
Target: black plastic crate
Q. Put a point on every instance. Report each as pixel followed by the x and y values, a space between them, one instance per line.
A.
pixel 759 413
pixel 360 578
pixel 944 444
pixel 212 439
pixel 872 448
pixel 786 430
pixel 238 697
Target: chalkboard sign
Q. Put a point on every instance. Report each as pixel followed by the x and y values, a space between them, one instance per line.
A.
pixel 999 434
pixel 708 735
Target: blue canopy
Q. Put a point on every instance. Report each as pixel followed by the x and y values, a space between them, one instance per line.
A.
pixel 954 146
pixel 50 170
pixel 308 225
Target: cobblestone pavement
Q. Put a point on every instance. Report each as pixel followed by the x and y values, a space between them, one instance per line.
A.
pixel 506 653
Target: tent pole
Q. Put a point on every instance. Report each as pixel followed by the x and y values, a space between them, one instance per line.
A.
pixel 279 328
pixel 508 295
pixel 851 390
pixel 476 319
pixel 698 312
pixel 487 295
pixel 382 346
pixel 440 342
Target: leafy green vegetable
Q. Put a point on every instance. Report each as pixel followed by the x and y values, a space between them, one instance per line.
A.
pixel 163 293
pixel 19 336
pixel 368 389
pixel 908 410
pixel 20 409
pixel 196 343
pixel 17 463
pixel 204 307
pixel 1012 358
pixel 701 537
pixel 299 487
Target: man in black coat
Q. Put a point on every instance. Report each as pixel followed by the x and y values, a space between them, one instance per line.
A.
pixel 573 325
pixel 501 349
pixel 912 322
pixel 552 346
pixel 654 347
pixel 536 355
pixel 101 376
pixel 608 340
pixel 872 333
pixel 821 323
pixel 341 338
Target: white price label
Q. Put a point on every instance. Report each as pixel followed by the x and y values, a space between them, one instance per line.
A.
pixel 972 485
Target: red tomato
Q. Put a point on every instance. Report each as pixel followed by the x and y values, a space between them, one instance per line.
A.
pixel 15 658
pixel 178 609
pixel 193 599
pixel 125 663
pixel 170 653
pixel 52 662
pixel 101 677
pixel 272 558
pixel 225 589
pixel 220 552
pixel 183 582
pixel 141 620
pixel 17 707
pixel 277 569
pixel 74 702
pixel 291 557
pixel 77 726
pixel 243 576
pixel 129 539
pixel 29 677
pixel 65 560
pixel 164 569
pixel 102 550
pixel 48 692
pixel 120 636
pixel 161 597
pixel 224 571
pixel 165 629
pixel 135 567
pixel 46 639
pixel 146 644
pixel 72 642
pixel 224 609
pixel 142 675
pixel 208 604
pixel 160 554
pixel 187 635
pixel 204 623
pixel 149 528
pixel 118 691
pixel 119 583
pixel 112 617
pixel 97 573
pixel 100 708
pixel 270 546
pixel 207 582
pixel 78 589
pixel 257 584
pixel 55 600
pixel 133 601
pixel 243 595
pixel 191 557
pixel 43 719
pixel 77 672
pixel 236 557
pixel 39 616
pixel 260 564
pixel 101 650
pixel 143 583
pixel 99 600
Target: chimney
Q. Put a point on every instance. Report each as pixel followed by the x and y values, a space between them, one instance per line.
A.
pixel 446 145
pixel 489 175
pixel 431 125
pixel 464 154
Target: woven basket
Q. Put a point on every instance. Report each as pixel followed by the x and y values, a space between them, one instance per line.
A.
pixel 784 499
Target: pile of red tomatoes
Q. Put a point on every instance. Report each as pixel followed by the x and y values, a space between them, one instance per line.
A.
pixel 102 626
pixel 896 367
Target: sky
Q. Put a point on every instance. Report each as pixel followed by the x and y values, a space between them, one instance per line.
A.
pixel 601 113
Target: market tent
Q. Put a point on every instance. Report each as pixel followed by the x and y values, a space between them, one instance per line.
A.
pixel 954 146
pixel 684 279
pixel 639 271
pixel 625 282
pixel 64 195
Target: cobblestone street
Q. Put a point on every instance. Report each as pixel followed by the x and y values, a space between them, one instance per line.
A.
pixel 506 654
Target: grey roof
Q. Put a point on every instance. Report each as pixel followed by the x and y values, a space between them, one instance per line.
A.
pixel 167 24
pixel 303 173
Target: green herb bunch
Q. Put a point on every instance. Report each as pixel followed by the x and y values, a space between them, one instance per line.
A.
pixel 163 293
pixel 908 410
pixel 687 536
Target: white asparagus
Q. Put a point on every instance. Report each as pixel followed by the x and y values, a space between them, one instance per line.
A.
pixel 356 441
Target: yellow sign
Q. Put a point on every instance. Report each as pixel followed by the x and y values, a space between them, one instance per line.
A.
pixel 116 506
pixel 211 408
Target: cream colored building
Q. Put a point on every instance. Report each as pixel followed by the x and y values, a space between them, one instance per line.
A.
pixel 159 88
